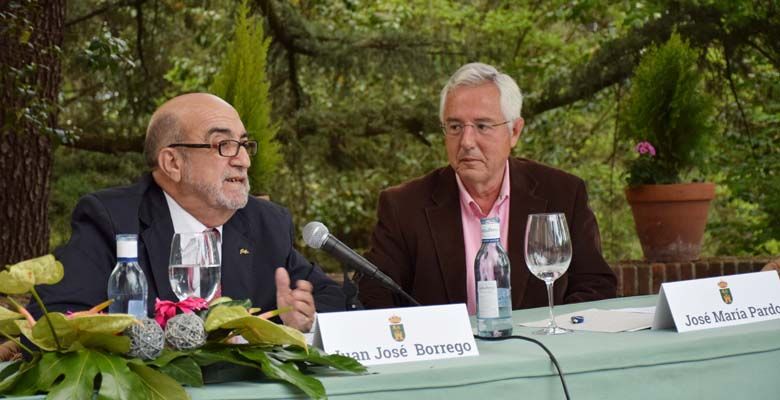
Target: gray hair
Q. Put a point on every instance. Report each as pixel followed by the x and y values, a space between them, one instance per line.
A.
pixel 163 130
pixel 475 74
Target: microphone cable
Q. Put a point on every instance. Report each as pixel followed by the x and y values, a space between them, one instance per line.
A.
pixel 540 344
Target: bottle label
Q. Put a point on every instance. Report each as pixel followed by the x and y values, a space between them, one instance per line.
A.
pixel 487 299
pixel 491 228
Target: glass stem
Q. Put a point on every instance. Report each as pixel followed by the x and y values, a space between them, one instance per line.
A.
pixel 550 299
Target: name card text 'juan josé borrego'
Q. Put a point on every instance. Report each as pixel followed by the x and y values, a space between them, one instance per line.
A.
pixel 717 302
pixel 395 335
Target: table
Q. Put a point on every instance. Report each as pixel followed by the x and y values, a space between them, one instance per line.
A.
pixel 741 362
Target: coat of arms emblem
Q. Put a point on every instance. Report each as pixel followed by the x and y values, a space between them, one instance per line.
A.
pixel 397 328
pixel 725 292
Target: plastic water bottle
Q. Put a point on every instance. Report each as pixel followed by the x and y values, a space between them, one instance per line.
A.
pixel 127 284
pixel 491 275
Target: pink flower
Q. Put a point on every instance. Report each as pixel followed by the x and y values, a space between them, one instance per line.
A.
pixel 163 311
pixel 645 148
pixel 166 309
pixel 192 304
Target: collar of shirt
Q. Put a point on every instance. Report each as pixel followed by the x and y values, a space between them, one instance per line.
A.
pixel 184 221
pixel 467 201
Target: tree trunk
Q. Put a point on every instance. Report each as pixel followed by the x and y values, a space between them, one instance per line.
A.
pixel 30 41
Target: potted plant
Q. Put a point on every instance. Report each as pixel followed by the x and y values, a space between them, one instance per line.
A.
pixel 668 119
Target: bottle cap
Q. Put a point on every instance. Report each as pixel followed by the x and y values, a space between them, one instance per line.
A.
pixel 491 228
pixel 127 246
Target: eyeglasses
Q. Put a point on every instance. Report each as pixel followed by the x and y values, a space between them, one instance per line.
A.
pixel 226 148
pixel 457 128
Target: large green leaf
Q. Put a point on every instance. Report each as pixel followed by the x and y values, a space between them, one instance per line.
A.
pixel 255 330
pixel 16 281
pixel 118 382
pixel 29 375
pixel 158 385
pixel 87 331
pixel 74 374
pixel 167 356
pixel 313 356
pixel 10 373
pixel 210 355
pixel 260 331
pixel 41 333
pixel 185 371
pixel 224 314
pixel 21 277
pixel 46 269
pixel 7 324
pixel 287 372
pixel 112 343
pixel 103 323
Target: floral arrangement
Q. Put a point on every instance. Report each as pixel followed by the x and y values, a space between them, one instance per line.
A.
pixel 667 115
pixel 118 356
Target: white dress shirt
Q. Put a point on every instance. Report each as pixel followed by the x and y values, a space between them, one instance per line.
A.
pixel 183 221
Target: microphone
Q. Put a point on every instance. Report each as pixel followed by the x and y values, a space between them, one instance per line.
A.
pixel 316 235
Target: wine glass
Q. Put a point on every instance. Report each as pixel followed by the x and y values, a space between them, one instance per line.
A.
pixel 194 268
pixel 548 254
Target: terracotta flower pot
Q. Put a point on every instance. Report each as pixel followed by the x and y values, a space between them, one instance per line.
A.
pixel 670 219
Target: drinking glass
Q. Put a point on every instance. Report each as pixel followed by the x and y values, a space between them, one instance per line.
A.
pixel 548 254
pixel 194 268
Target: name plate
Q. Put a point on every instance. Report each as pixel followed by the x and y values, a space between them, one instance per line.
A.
pixel 395 335
pixel 716 302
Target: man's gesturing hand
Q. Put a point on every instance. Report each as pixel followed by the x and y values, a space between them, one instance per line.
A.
pixel 301 316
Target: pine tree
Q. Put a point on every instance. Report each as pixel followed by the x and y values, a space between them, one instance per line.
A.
pixel 242 82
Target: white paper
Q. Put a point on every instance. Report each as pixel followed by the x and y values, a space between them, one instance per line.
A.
pixel 597 320
pixel 641 310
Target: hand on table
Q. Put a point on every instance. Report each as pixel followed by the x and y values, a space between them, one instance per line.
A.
pixel 301 300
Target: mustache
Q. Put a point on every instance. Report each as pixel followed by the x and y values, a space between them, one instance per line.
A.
pixel 236 175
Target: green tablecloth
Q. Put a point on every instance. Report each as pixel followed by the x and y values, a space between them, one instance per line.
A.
pixel 741 362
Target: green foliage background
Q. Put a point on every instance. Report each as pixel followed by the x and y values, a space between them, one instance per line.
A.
pixel 354 86
pixel 242 82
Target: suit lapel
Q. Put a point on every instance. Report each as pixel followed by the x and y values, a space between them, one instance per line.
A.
pixel 156 233
pixel 447 232
pixel 523 201
pixel 237 255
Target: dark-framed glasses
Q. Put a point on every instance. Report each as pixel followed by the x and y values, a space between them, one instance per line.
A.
pixel 454 128
pixel 226 148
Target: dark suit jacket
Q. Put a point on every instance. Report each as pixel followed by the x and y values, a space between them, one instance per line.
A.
pixel 263 228
pixel 418 239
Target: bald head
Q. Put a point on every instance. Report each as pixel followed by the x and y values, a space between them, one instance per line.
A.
pixel 173 121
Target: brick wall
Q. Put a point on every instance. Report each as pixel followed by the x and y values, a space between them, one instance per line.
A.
pixel 641 277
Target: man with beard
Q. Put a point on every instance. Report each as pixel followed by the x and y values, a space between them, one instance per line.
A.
pixel 428 229
pixel 199 153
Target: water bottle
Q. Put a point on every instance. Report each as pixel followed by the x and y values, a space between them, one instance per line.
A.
pixel 127 284
pixel 491 275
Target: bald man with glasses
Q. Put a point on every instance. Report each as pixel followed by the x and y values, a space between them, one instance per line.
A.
pixel 198 154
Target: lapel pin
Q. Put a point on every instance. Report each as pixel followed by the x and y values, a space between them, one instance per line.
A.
pixel 243 251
